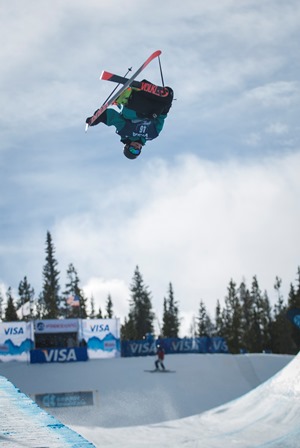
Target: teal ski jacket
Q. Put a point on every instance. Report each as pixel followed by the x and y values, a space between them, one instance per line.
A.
pixel 131 127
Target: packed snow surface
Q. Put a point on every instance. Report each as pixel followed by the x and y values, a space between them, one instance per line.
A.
pixel 206 401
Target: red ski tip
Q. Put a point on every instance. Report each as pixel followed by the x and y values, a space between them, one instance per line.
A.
pixel 105 75
pixel 154 55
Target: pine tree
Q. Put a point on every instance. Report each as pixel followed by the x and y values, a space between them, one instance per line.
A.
pixel 1 306
pixel 166 319
pixel 128 331
pixel 282 341
pixel 50 294
pixel 10 310
pixel 205 327
pixel 26 294
pixel 294 302
pixel 266 322
pixel 298 288
pixel 246 321
pixel 140 316
pixel 218 329
pixel 40 309
pixel 73 289
pixel 92 314
pixel 256 318
pixel 232 319
pixel 99 314
pixel 171 323
pixel 292 298
pixel 109 308
pixel 261 318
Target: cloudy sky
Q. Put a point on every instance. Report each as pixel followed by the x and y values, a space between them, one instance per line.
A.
pixel 215 197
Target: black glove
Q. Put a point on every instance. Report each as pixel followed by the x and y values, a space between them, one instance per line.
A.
pixel 101 119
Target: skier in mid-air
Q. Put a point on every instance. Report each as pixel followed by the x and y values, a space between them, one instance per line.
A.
pixel 141 117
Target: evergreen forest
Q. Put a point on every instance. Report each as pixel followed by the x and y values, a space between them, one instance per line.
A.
pixel 245 319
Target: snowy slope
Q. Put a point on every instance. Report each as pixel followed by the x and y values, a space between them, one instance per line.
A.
pixel 268 416
pixel 127 396
pixel 166 407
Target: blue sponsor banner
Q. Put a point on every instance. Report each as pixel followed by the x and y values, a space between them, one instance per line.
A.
pixel 67 399
pixel 294 316
pixel 58 355
pixel 56 326
pixel 175 345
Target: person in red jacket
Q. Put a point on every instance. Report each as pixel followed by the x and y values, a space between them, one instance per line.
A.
pixel 160 358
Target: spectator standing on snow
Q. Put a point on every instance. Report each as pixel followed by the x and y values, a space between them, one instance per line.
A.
pixel 160 358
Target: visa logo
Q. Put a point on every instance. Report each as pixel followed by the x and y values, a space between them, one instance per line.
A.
pixel 60 355
pixel 13 330
pixel 145 348
pixel 101 327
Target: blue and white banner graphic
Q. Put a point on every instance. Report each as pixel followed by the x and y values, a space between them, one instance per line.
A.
pixel 73 354
pixel 175 345
pixel 16 340
pixel 102 337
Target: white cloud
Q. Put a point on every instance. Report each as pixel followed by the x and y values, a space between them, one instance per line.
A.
pixel 279 94
pixel 196 224
pixel 253 139
pixel 99 288
pixel 3 289
pixel 277 128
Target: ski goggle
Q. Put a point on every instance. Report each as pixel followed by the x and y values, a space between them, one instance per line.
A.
pixel 134 150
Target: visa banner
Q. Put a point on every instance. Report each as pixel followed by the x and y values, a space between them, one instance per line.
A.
pixel 102 337
pixel 16 340
pixel 47 355
pixel 175 345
